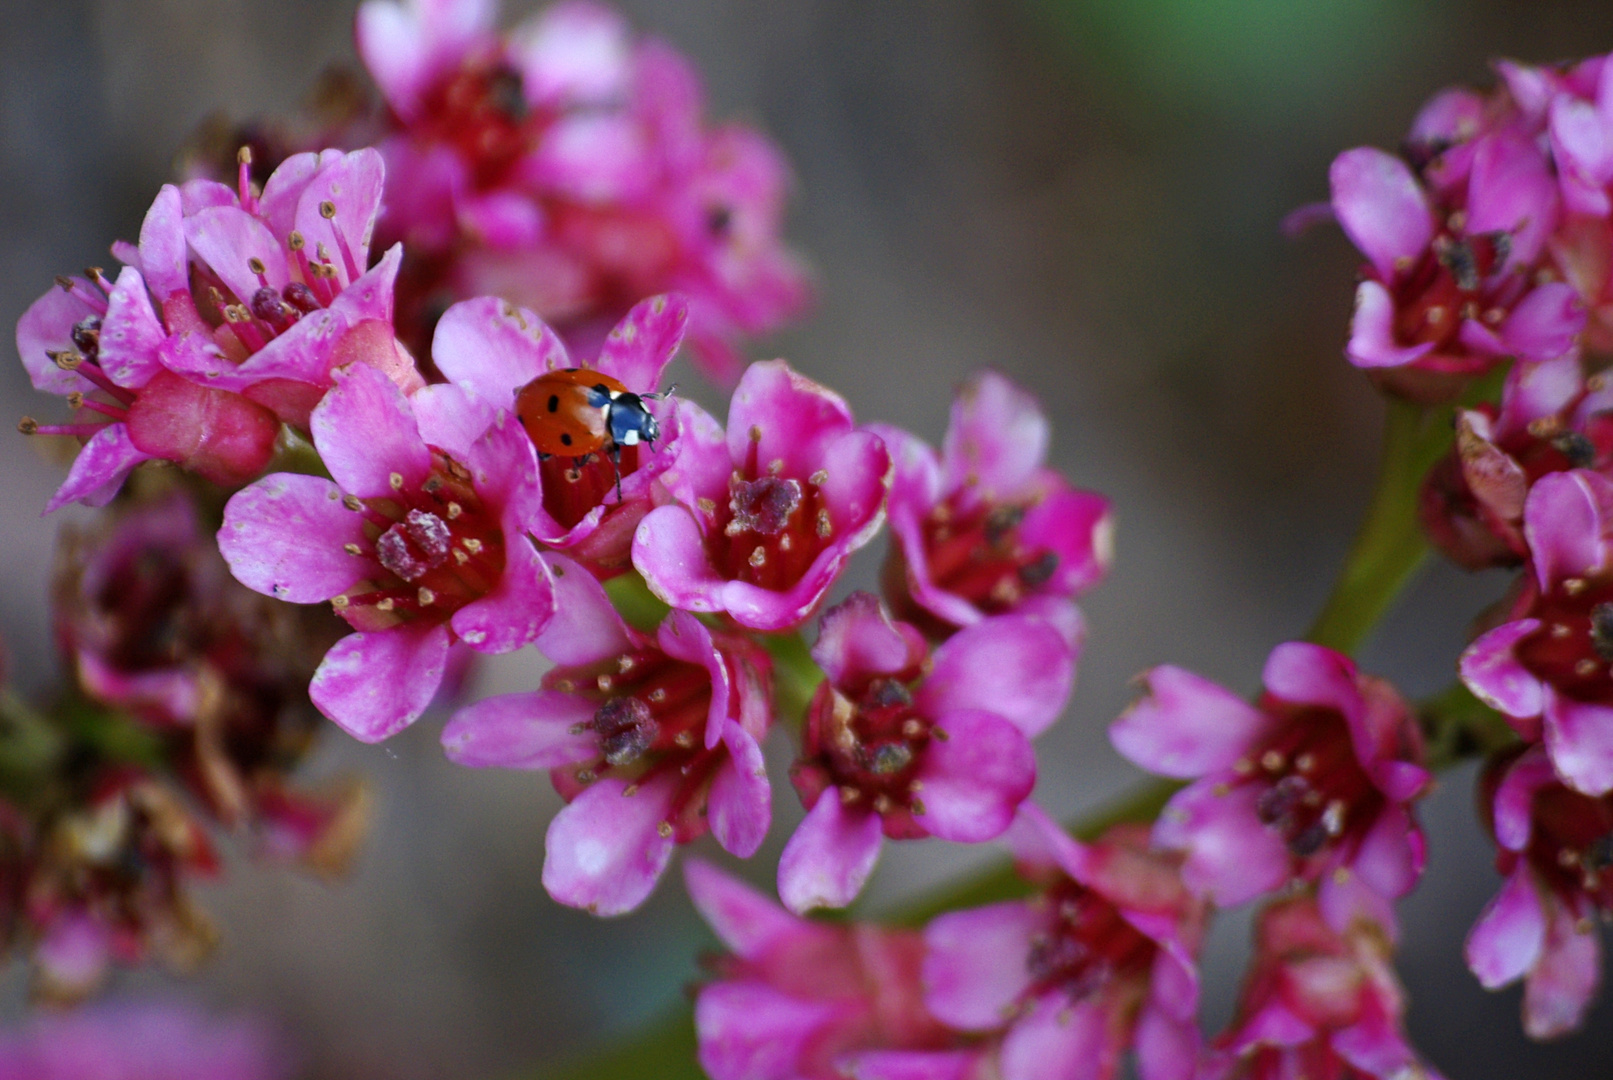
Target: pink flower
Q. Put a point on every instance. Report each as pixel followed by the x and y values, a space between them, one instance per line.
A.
pixel 904 744
pixel 420 542
pixel 1314 782
pixel 140 1042
pixel 984 528
pixel 229 318
pixel 1450 286
pixel 651 741
pixel 1102 959
pixel 1318 1002
pixel 492 350
pixel 1550 419
pixel 568 168
pixel 1547 668
pixel 801 1000
pixel 1554 847
pixel 763 520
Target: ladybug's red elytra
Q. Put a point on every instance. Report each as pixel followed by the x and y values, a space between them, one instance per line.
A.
pixel 576 412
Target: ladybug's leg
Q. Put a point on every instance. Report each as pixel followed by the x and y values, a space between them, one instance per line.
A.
pixel 616 466
pixel 544 457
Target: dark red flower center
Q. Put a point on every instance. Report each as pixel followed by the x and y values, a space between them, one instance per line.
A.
pixel 1573 648
pixel 438 547
pixel 977 553
pixel 482 112
pixel 1088 945
pixel 1313 787
pixel 868 746
pixel 1455 280
pixel 1571 845
pixel 770 528
pixel 572 487
pixel 650 718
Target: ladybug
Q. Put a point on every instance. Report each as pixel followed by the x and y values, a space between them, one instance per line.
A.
pixel 577 412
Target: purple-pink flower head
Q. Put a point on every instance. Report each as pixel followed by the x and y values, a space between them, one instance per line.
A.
pixel 1452 284
pixel 1550 419
pixel 569 168
pixel 1554 846
pixel 984 527
pixel 652 740
pixel 1547 668
pixel 1102 959
pixel 904 744
pixel 802 1000
pixel 1315 781
pixel 493 350
pixel 761 521
pixel 419 542
pixel 1318 1002
pixel 141 1042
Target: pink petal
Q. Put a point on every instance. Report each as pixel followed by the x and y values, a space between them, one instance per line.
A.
pixel 796 418
pixel 494 348
pixel 585 628
pixel 644 342
pixel 857 640
pixel 830 856
pixel 1559 988
pixel 1078 527
pixel 163 259
pixel 739 807
pixel 1068 1041
pixel 701 467
pixel 975 963
pixel 750 1031
pixel 1372 331
pixel 1167 1047
pixel 975 778
pixel 911 1065
pixel 376 684
pixel 1231 856
pixel 996 438
pixel 748 923
pixel 1563 520
pixel 1300 673
pixel 1187 726
pixel 1511 189
pixel 670 553
pixel 606 851
pixel 1381 206
pixel 405 47
pixel 522 731
pixel 226 238
pixel 1491 669
pixel 1515 797
pixel 1020 669
pixel 47 327
pixel 130 332
pixel 1390 858
pixel 573 53
pixel 365 434
pixel 284 537
pixel 1579 738
pixel 352 184
pixel 99 470
pixel 858 468
pixel 514 613
pixel 1510 933
pixel 450 417
pixel 1545 324
pixel 277 204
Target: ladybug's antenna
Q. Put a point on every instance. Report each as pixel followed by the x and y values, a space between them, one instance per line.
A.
pixel 658 395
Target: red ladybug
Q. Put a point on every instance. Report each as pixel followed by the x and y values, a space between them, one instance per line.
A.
pixel 577 412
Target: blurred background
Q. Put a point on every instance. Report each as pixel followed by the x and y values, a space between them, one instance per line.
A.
pixel 1083 193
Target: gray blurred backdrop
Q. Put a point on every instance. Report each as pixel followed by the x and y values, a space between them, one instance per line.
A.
pixel 1084 193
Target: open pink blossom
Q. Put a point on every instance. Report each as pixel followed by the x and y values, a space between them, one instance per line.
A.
pixel 906 744
pixel 984 527
pixel 1101 960
pixel 146 1041
pixel 1451 286
pixel 418 543
pixel 1318 1002
pixel 1314 782
pixel 1547 668
pixel 568 168
pixel 1555 849
pixel 492 349
pixel 651 740
pixel 1550 419
pixel 802 1000
pixel 762 520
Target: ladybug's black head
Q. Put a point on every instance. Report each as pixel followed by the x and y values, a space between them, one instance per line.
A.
pixel 630 422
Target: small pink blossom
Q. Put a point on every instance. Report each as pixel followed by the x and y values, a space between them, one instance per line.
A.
pixel 802 1000
pixel 1318 1002
pixel 419 542
pixel 651 740
pixel 1546 668
pixel 904 744
pixel 1555 849
pixel 1315 782
pixel 761 521
pixel 141 1042
pixel 1100 961
pixel 567 167
pixel 984 527
pixel 492 349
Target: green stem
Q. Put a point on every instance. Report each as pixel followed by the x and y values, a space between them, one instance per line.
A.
pixel 1389 548
pixel 1456 726
pixel 795 675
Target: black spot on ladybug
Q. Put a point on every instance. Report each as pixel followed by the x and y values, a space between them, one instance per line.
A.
pixel 565 438
pixel 554 402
